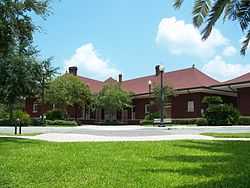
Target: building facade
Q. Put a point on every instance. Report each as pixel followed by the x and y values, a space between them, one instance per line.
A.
pixel 190 87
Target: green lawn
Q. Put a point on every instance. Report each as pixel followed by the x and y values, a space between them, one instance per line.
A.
pixel 228 135
pixel 212 164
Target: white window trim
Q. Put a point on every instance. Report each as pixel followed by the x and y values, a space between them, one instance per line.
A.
pixel 35 108
pixel 191 106
pixel 146 108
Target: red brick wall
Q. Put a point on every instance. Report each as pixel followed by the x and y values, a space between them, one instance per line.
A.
pixel 140 107
pixel 29 107
pixel 244 101
pixel 179 104
pixel 180 107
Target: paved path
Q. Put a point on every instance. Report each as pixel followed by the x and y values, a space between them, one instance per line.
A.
pixel 69 137
pixel 125 133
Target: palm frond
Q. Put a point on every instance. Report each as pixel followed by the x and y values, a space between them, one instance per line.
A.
pixel 177 4
pixel 245 44
pixel 213 16
pixel 231 10
pixel 243 14
pixel 200 11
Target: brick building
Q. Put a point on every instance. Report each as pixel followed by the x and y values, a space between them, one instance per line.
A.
pixel 190 86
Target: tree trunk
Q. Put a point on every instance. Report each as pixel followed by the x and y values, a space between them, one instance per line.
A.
pixel 75 107
pixel 42 105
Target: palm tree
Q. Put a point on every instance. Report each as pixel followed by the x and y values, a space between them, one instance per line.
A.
pixel 208 12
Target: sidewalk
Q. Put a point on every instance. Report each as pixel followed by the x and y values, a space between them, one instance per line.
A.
pixel 67 137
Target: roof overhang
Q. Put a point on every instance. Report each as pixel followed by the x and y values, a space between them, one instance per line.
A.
pixel 204 89
pixel 207 90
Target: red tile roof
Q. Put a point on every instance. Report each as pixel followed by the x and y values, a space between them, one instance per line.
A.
pixel 243 78
pixel 180 79
pixel 94 85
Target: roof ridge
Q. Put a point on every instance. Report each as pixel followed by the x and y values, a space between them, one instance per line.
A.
pixel 155 75
pixel 90 79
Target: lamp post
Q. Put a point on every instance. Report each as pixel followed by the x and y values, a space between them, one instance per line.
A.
pixel 162 96
pixel 149 91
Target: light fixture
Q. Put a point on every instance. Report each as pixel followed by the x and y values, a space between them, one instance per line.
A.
pixel 161 68
pixel 149 82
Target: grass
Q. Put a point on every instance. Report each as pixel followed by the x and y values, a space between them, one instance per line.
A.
pixel 24 134
pixel 178 164
pixel 228 135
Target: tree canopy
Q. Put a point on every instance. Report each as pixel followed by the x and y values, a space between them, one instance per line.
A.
pixel 167 92
pixel 16 24
pixel 208 12
pixel 67 90
pixel 112 98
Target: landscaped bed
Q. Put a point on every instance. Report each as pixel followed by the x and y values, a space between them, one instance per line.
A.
pixel 26 163
pixel 228 135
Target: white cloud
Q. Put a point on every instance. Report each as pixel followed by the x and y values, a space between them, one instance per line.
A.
pixel 229 51
pixel 184 39
pixel 220 70
pixel 90 64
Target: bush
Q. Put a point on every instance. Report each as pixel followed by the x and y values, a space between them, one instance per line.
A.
pixel 36 122
pixel 55 115
pixel 5 123
pixel 146 122
pixel 201 122
pixel 152 116
pixel 23 117
pixel 222 114
pixel 244 121
pixel 60 123
pixel 3 112
pixel 184 121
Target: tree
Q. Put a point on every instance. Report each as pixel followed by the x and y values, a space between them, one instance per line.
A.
pixel 112 99
pixel 16 24
pixel 68 90
pixel 167 92
pixel 209 12
pixel 219 113
pixel 18 80
pixel 46 73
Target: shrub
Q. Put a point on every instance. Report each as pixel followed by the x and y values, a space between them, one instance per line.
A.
pixel 5 123
pixel 146 122
pixel 152 116
pixel 23 116
pixel 201 122
pixel 222 114
pixel 55 115
pixel 3 112
pixel 60 123
pixel 36 122
pixel 184 121
pixel 244 121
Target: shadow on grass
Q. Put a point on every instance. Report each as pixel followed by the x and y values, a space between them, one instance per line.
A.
pixel 8 140
pixel 221 164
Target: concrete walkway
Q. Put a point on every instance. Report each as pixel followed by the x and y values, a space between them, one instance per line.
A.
pixel 67 137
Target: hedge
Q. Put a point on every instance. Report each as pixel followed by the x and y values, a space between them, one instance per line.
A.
pixel 60 123
pixel 244 120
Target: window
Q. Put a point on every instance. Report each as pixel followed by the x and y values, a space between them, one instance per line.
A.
pixel 35 108
pixel 53 106
pixel 190 106
pixel 147 108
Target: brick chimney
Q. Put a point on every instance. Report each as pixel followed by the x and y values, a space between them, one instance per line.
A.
pixel 157 70
pixel 120 78
pixel 73 70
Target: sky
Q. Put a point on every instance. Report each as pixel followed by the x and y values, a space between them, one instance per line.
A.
pixel 106 38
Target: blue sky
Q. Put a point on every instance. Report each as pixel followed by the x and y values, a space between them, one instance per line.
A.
pixel 104 38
